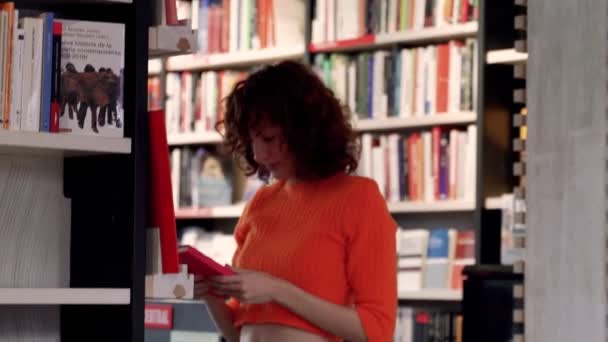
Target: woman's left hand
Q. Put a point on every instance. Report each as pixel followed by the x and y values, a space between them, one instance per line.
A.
pixel 249 287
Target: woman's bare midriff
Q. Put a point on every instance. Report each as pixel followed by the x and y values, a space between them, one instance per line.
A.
pixel 276 333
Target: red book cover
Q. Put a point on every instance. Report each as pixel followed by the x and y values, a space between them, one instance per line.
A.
pixel 158 316
pixel 262 22
pixel 225 41
pixel 457 278
pixel 435 153
pixel 200 264
pixel 171 12
pixel 465 245
pixel 443 77
pixel 162 212
pixel 464 11
pixel 8 7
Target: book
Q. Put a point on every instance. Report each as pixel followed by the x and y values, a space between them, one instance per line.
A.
pixel 92 64
pixel 200 264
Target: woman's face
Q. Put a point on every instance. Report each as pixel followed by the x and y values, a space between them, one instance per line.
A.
pixel 270 151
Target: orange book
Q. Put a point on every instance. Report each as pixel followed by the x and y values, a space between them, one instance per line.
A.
pixel 8 7
pixel 262 21
pixel 225 40
pixel 270 34
pixel 443 77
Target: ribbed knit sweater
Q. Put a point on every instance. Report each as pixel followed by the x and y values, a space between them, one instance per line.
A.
pixel 333 238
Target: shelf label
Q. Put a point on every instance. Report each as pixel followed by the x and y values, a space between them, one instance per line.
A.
pixel 158 316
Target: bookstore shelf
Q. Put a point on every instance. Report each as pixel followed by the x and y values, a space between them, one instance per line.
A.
pixel 67 296
pixel 194 138
pixel 506 56
pixel 438 206
pixel 19 142
pixel 426 35
pixel 229 211
pixel 399 122
pixel 431 295
pixel 233 59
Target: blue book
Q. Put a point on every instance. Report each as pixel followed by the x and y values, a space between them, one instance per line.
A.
pixel 203 33
pixel 47 72
pixel 397 83
pixel 439 244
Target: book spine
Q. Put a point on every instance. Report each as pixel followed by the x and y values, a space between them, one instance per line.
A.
pixel 47 70
pixel 56 77
pixel 16 80
pixel 10 34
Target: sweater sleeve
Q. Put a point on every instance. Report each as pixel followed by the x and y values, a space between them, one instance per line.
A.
pixel 372 262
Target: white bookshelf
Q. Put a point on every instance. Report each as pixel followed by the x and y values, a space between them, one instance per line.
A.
pixel 194 138
pixel 229 211
pixel 426 35
pixel 429 34
pixel 67 296
pixel 18 142
pixel 233 59
pixel 400 122
pixel 506 56
pixel 425 207
pixel 431 295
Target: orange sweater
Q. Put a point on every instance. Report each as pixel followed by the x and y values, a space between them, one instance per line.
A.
pixel 333 238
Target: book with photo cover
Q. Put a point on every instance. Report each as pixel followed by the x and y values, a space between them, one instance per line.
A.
pixel 92 71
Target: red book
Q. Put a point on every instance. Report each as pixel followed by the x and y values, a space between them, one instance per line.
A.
pixel 435 154
pixel 162 214
pixel 200 264
pixel 8 7
pixel 171 12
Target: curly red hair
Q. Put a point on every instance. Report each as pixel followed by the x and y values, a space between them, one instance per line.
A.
pixel 316 127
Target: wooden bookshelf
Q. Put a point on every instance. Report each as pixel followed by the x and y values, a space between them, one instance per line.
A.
pixel 431 295
pixel 428 207
pixel 37 143
pixel 69 296
pixel 412 122
pixel 229 211
pixel 233 59
pixel 427 35
pixel 194 138
pixel 506 56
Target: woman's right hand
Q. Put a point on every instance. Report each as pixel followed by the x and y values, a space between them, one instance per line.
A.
pixel 201 288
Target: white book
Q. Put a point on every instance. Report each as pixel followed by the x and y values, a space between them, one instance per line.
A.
pixel 393 162
pixel 234 25
pixel 455 11
pixel 175 175
pixel 365 165
pixel 341 70
pixel 30 98
pixel 289 22
pixel 455 78
pixel 462 164
pixel 323 19
pixel 439 10
pixel 412 246
pixel 432 80
pixel 378 84
pixel 429 184
pixel 419 7
pixel 382 15
pixel 475 67
pixel 194 10
pixel 331 20
pixel 16 79
pixel 187 98
pixel 211 89
pixel 379 161
pixel 421 61
pixel 244 38
pixel 471 163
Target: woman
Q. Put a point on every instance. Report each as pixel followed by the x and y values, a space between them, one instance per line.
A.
pixel 316 255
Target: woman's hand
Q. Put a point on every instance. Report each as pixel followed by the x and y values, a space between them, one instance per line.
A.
pixel 249 287
pixel 201 288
